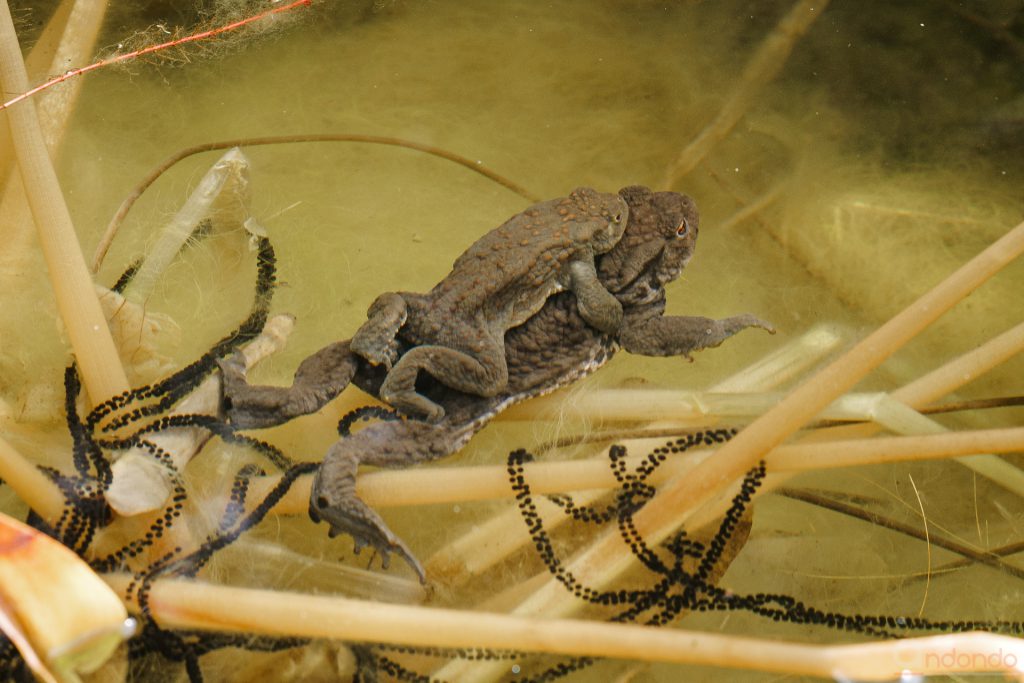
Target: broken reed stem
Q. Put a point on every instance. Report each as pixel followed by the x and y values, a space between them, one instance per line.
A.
pixel 762 68
pixel 224 186
pixel 73 286
pixel 140 483
pixel 194 605
pixel 438 485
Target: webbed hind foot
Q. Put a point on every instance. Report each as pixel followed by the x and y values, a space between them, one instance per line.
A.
pixel 337 504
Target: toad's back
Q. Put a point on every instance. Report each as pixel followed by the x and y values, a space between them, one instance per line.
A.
pixel 510 272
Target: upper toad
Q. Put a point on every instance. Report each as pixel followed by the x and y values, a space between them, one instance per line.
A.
pixel 457 329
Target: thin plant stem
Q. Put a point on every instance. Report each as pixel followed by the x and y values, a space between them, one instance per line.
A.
pixel 69 36
pixel 985 557
pixel 122 211
pixel 762 68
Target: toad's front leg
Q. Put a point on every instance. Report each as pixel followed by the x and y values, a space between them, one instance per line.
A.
pixel 682 335
pixel 319 378
pixel 375 339
pixel 596 305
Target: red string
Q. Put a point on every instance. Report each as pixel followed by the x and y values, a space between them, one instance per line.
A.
pixel 152 48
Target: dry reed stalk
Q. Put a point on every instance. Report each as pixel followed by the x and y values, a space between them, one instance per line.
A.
pixel 194 605
pixel 676 409
pixel 946 379
pixel 37 60
pixel 80 310
pixel 509 597
pixel 68 37
pixel 31 485
pixel 77 43
pixel 446 485
pixel 762 68
pixel 833 454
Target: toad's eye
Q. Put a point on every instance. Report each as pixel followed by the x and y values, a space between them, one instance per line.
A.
pixel 617 217
pixel 683 229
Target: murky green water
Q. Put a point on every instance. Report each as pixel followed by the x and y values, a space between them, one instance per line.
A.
pixel 886 152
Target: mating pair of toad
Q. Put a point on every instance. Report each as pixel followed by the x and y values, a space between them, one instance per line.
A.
pixel 544 340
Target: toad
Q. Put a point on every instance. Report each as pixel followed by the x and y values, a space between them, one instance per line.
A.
pixel 457 329
pixel 553 348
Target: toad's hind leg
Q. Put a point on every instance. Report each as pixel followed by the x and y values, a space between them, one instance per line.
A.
pixel 333 500
pixel 484 373
pixel 398 443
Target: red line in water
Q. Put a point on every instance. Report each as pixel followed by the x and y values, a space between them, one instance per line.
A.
pixel 152 48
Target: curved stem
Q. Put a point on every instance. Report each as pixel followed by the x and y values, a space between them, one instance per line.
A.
pixel 133 196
